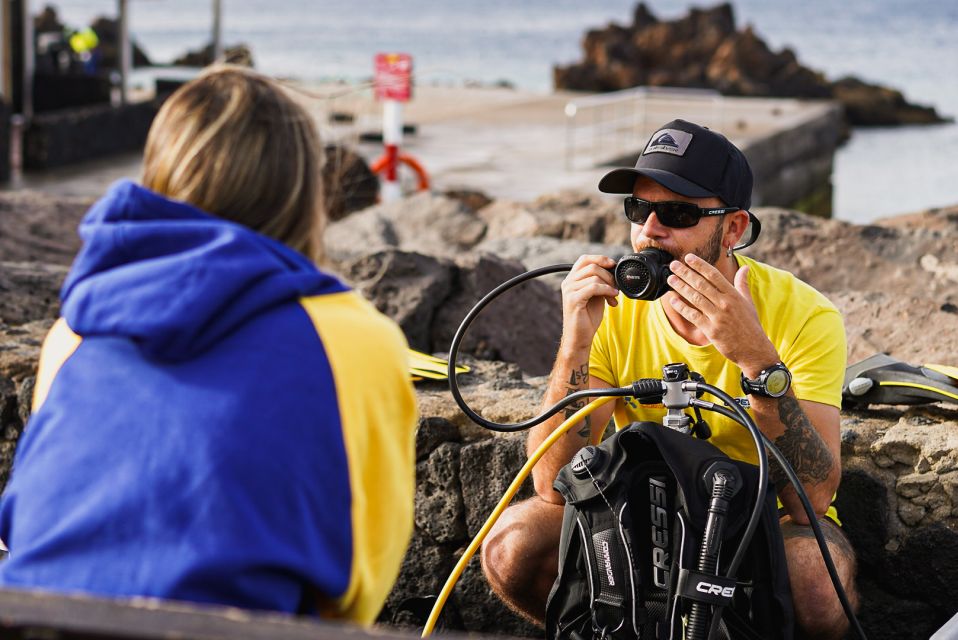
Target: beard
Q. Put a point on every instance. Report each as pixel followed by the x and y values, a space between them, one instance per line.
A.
pixel 710 250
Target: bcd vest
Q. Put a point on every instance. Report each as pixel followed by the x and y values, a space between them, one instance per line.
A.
pixel 629 554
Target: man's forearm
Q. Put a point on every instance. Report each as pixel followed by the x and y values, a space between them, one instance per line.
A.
pixel 788 427
pixel 569 375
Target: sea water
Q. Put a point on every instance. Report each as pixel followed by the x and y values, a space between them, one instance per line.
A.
pixel 911 45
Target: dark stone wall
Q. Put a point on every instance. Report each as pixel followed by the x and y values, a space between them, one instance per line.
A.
pixel 58 138
pixel 4 141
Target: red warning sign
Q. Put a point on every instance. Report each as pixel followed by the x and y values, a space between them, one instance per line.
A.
pixel 393 79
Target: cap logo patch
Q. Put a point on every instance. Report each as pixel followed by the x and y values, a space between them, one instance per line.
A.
pixel 669 141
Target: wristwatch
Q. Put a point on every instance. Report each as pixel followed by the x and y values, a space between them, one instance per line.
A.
pixel 772 382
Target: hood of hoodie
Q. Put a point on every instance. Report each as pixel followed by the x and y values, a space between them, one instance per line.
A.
pixel 175 279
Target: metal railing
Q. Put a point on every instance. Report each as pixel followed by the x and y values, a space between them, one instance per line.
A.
pixel 602 128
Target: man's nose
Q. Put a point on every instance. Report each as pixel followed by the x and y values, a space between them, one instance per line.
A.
pixel 653 228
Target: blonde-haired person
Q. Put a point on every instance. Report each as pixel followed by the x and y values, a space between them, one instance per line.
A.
pixel 216 419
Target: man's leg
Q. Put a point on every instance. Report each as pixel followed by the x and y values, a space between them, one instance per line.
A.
pixel 520 556
pixel 818 611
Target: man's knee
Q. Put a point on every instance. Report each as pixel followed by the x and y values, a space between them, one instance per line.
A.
pixel 500 555
pixel 818 610
pixel 521 549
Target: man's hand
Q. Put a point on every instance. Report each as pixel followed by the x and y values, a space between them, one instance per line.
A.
pixel 585 291
pixel 806 432
pixel 722 311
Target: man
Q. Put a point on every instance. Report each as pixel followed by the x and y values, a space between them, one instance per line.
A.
pixel 734 320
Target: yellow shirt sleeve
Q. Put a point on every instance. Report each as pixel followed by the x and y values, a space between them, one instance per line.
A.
pixel 817 358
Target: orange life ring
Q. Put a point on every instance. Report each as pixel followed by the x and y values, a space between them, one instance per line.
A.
pixel 423 178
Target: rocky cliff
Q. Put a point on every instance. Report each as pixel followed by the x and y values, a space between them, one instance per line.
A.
pixel 705 50
pixel 426 260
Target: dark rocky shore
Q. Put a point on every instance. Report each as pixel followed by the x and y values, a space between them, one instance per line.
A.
pixel 705 50
pixel 425 260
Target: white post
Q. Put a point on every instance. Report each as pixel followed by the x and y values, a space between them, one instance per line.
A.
pixel 392 139
pixel 217 30
pixel 126 52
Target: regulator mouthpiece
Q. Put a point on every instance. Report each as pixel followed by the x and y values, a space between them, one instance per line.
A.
pixel 643 275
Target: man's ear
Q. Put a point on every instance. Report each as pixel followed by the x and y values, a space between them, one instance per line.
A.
pixel 735 226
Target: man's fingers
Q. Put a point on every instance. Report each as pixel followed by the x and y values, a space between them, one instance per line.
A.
pixel 595 270
pixel 593 289
pixel 686 310
pixel 692 294
pixel 602 261
pixel 708 272
pixel 695 280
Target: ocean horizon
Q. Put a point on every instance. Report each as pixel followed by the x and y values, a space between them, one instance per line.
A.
pixel 910 46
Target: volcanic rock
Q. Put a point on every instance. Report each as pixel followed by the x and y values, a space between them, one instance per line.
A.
pixel 896 282
pixel 348 183
pixel 428 297
pixel 425 223
pixel 29 290
pixel 39 228
pixel 239 54
pixel 704 50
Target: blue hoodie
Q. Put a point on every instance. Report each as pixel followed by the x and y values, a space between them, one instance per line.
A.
pixel 215 420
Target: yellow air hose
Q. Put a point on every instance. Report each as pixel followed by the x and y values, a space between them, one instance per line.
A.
pixel 504 502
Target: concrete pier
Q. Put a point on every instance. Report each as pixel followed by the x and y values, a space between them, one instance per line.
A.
pixel 519 145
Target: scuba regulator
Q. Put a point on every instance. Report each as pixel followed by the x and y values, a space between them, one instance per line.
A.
pixel 643 275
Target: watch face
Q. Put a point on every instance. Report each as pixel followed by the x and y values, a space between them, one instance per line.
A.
pixel 777 382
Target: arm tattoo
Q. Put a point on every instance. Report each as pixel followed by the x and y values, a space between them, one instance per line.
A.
pixel 579 377
pixel 801 445
pixel 586 430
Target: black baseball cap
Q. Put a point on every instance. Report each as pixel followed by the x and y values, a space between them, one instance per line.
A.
pixel 692 161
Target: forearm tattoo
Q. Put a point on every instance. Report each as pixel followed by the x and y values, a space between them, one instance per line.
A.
pixel 578 378
pixel 801 445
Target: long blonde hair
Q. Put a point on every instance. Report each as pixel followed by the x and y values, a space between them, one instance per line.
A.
pixel 234 144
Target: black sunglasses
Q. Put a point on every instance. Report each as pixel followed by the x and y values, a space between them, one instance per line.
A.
pixel 678 215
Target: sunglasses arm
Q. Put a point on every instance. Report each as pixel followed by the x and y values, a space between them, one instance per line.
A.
pixel 755 229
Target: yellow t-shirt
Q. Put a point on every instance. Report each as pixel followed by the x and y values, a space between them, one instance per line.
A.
pixel 635 340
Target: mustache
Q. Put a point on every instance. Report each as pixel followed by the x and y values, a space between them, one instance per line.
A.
pixel 656 245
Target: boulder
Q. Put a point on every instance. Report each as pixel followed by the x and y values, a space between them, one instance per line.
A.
pixel 471 199
pixel 31 291
pixel 428 297
pixel 522 326
pixel 568 215
pixel 19 353
pixel 240 54
pixel 899 506
pixel 425 223
pixel 872 105
pixel 898 502
pixel 834 256
pixel 538 252
pixel 348 183
pixel 704 50
pixel 893 280
pixel 35 227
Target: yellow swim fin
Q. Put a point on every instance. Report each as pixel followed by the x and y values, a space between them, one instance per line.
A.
pixel 423 365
